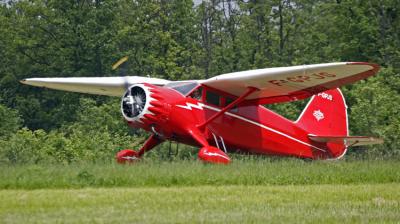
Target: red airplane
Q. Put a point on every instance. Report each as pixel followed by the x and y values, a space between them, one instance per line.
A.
pixel 224 114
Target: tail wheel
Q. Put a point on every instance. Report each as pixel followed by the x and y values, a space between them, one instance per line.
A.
pixel 127 156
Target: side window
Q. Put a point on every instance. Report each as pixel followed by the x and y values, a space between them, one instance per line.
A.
pixel 228 101
pixel 197 93
pixel 212 98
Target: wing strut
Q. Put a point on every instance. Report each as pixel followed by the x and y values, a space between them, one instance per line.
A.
pixel 249 91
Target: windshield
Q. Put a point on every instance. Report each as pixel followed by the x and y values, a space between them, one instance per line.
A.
pixel 182 87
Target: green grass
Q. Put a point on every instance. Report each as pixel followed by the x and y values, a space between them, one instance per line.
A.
pixel 193 173
pixel 371 203
pixel 247 191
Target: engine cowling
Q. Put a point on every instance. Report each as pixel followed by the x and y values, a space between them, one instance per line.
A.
pixel 135 103
pixel 147 106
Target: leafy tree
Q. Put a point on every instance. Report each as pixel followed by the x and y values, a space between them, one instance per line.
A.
pixel 376 112
pixel 159 37
pixel 105 117
pixel 10 121
pixel 54 38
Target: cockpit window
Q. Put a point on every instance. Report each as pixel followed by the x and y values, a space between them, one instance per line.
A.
pixel 182 87
pixel 212 98
pixel 197 93
pixel 228 101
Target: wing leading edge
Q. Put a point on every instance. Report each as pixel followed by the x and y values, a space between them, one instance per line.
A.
pixel 285 84
pixel 109 86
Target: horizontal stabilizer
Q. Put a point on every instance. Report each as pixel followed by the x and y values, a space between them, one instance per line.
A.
pixel 347 140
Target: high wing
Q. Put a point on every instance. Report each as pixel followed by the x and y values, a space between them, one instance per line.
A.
pixel 291 83
pixel 347 140
pixel 109 86
pixel 274 84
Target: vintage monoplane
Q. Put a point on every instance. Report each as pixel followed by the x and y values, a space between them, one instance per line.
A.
pixel 225 113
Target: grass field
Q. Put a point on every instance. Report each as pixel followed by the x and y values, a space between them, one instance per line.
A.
pixel 194 173
pixel 223 204
pixel 252 191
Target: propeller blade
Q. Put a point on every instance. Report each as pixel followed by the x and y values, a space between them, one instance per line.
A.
pixel 123 69
pixel 120 62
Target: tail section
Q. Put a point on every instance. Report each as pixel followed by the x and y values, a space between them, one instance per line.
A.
pixel 326 115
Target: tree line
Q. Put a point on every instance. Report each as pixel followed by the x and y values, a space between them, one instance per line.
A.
pixel 177 40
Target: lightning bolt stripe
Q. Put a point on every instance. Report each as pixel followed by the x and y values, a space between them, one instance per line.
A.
pixel 189 106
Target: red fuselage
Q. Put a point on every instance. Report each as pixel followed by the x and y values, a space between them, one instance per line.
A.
pixel 246 128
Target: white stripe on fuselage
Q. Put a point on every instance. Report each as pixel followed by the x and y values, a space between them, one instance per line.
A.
pixel 200 106
pixel 189 106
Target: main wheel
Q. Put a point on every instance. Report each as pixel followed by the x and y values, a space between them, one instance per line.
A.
pixel 127 156
pixel 210 154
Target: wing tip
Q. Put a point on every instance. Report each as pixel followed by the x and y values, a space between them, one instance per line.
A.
pixel 30 81
pixel 375 67
pixel 23 81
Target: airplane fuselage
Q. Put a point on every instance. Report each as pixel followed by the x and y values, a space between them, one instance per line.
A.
pixel 244 129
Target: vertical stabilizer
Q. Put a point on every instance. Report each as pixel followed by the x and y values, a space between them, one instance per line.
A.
pixel 326 115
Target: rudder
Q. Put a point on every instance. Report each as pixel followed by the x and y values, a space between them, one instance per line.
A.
pixel 326 115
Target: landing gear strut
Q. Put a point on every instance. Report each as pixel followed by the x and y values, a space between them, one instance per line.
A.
pixel 129 155
pixel 209 154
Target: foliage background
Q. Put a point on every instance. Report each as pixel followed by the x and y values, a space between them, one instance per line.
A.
pixel 179 39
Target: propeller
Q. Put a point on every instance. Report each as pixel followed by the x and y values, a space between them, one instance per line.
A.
pixel 123 69
pixel 120 62
pixel 134 99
